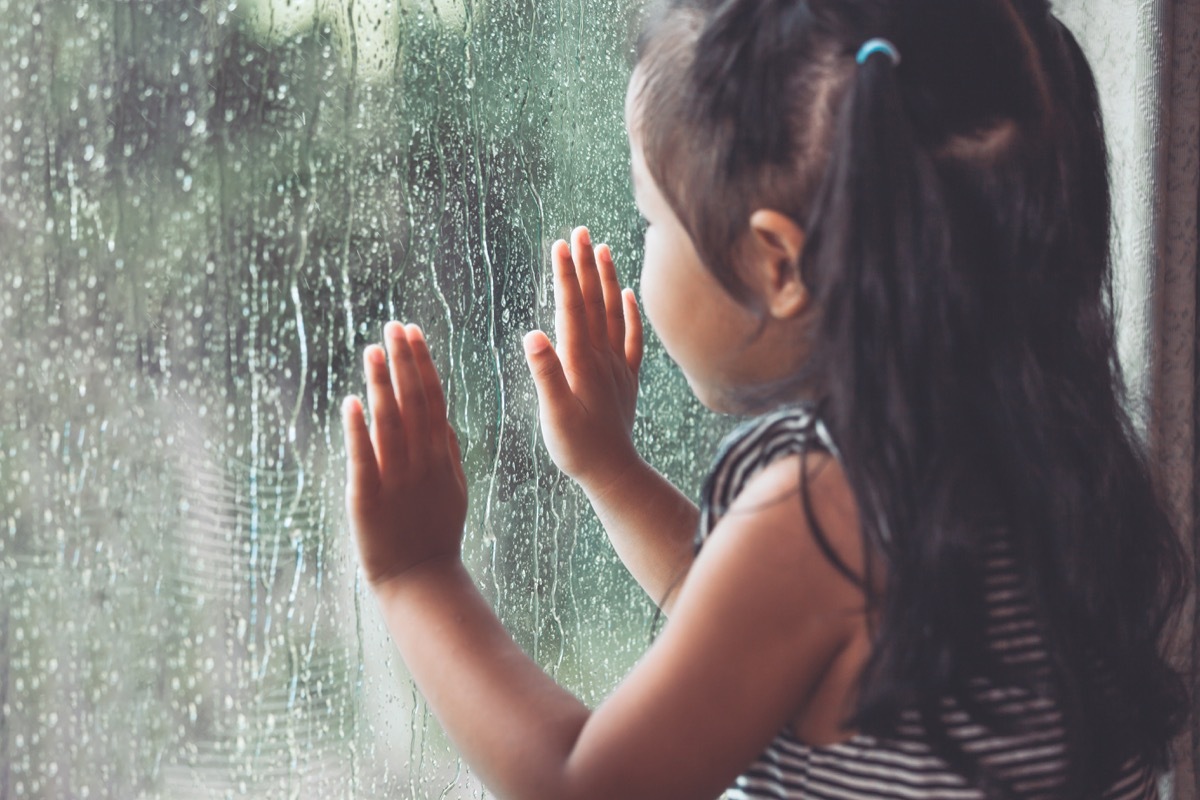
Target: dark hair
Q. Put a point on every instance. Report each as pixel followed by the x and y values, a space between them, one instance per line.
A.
pixel 958 217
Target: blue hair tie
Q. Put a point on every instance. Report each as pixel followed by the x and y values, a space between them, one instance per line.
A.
pixel 873 46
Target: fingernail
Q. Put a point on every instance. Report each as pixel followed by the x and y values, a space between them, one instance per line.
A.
pixel 375 354
pixel 585 238
pixel 415 328
pixel 533 343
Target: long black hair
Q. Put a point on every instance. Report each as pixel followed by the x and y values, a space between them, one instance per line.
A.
pixel 958 218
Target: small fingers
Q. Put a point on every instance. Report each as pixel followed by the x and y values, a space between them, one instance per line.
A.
pixel 385 414
pixel 634 337
pixel 435 398
pixel 548 378
pixel 570 316
pixel 410 393
pixel 613 303
pixel 362 471
pixel 590 285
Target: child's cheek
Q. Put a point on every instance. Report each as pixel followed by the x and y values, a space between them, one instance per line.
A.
pixel 651 280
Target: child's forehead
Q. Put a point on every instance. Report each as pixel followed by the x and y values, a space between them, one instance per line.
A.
pixel 635 106
pixel 633 92
pixel 637 156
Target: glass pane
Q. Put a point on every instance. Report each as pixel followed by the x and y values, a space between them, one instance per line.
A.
pixel 207 210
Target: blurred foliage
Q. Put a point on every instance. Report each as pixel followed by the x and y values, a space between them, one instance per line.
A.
pixel 207 210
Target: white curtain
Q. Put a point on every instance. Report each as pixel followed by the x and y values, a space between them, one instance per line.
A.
pixel 1147 60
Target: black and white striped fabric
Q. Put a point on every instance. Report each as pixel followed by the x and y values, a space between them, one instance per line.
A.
pixel 905 767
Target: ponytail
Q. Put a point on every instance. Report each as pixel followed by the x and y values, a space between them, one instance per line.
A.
pixel 971 388
pixel 880 256
pixel 873 241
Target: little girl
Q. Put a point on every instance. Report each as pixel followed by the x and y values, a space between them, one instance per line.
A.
pixel 933 563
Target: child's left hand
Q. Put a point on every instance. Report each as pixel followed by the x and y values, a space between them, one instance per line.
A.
pixel 406 493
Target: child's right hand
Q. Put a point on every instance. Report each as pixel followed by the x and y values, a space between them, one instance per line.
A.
pixel 587 390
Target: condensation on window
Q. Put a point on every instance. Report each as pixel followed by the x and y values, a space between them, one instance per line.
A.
pixel 207 210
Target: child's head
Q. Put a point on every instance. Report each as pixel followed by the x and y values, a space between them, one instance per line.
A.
pixel 931 196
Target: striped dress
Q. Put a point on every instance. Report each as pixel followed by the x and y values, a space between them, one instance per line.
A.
pixel 904 766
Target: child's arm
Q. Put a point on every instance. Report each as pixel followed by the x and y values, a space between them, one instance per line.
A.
pixel 587 394
pixel 652 526
pixel 759 620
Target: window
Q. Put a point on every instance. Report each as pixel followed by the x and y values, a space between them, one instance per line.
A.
pixel 207 210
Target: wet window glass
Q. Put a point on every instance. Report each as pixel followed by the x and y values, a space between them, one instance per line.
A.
pixel 207 210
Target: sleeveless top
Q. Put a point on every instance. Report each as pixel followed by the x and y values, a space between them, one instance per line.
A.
pixel 904 766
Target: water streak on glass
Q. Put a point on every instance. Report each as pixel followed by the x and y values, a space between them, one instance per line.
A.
pixel 207 210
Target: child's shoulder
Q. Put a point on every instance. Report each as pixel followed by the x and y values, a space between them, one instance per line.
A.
pixel 767 584
pixel 801 502
pixel 778 486
pixel 780 454
pixel 760 440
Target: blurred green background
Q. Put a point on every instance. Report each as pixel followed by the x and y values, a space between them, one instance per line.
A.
pixel 207 210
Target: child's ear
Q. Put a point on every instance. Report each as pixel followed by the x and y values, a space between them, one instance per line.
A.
pixel 776 243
